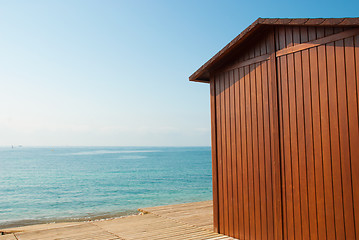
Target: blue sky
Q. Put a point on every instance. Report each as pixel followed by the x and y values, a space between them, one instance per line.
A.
pixel 116 73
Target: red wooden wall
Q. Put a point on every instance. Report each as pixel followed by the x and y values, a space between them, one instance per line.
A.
pixel 285 136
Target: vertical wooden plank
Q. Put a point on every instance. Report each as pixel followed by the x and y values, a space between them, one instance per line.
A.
pixel 296 35
pixel 267 152
pixel 338 29
pixel 301 74
pixel 257 49
pixel 250 153
pixel 251 52
pixel 233 154
pixel 287 180
pixel 214 152
pixel 312 33
pixel 302 158
pixel 261 149
pixel 327 165
pixel 308 126
pixel 334 141
pixel 356 44
pixel 225 126
pixel 282 163
pixel 274 135
pixel 352 73
pixel 219 92
pixel 309 151
pixel 229 154
pixel 240 213
pixel 303 34
pixel 303 181
pixel 286 159
pixel 289 68
pixel 269 39
pixel 320 32
pixel 317 136
pixel 253 80
pixel 328 31
pixel 289 36
pixel 246 55
pixel 263 48
pixel 276 39
pixel 344 139
pixel 224 165
pixel 294 146
pixel 281 37
pixel 243 104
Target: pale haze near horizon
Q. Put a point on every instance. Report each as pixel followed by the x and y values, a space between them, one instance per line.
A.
pixel 115 73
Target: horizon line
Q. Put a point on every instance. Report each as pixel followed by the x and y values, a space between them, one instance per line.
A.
pixel 20 145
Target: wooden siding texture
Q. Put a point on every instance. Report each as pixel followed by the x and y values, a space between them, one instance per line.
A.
pixel 285 137
pixel 244 150
pixel 317 92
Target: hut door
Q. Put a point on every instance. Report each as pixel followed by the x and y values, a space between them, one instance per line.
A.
pixel 319 138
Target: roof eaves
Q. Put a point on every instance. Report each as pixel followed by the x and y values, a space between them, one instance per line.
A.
pixel 201 74
pixel 235 42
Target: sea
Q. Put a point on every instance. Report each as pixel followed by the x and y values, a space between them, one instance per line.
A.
pixel 57 184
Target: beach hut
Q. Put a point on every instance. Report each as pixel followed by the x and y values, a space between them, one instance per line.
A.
pixel 285 130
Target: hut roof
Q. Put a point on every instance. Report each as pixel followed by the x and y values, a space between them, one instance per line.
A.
pixel 202 74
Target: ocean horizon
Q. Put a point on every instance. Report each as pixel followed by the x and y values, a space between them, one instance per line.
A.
pixel 57 184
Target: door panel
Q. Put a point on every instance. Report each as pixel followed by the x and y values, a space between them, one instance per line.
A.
pixel 319 126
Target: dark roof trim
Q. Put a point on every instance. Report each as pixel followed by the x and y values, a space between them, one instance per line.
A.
pixel 202 74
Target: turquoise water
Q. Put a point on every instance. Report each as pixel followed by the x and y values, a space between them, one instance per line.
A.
pixel 39 185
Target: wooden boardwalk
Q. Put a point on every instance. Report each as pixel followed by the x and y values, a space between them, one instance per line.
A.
pixel 181 221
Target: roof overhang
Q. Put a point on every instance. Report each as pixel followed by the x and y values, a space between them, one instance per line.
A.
pixel 203 73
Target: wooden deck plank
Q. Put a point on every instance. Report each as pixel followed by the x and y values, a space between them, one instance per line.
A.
pixel 8 237
pixel 84 231
pixel 173 222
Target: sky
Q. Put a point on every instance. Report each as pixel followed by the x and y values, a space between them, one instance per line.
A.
pixel 115 73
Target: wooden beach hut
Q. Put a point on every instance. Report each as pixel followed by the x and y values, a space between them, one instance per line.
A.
pixel 285 130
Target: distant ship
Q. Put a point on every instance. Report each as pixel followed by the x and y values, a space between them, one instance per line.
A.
pixel 12 146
